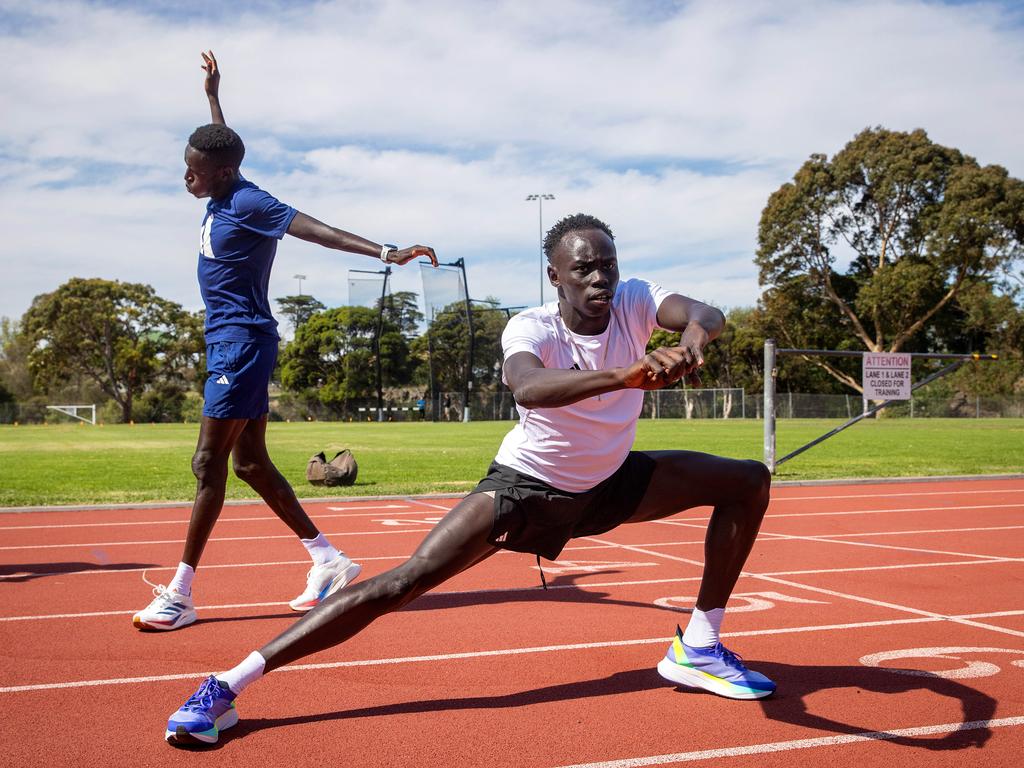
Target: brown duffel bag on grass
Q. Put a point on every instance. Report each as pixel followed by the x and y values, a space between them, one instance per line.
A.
pixel 341 470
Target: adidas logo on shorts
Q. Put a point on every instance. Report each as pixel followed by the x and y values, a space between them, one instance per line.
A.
pixel 222 380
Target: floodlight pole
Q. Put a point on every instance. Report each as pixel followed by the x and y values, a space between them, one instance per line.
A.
pixel 540 198
pixel 300 278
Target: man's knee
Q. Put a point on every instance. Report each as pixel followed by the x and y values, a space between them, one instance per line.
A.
pixel 409 579
pixel 209 466
pixel 249 471
pixel 757 483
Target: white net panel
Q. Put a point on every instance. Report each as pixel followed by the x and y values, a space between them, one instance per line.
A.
pixel 442 287
pixel 365 290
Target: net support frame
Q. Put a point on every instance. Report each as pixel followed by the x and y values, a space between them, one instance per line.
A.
pixel 72 411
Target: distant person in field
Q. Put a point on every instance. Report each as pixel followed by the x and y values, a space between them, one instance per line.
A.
pixel 238 240
pixel 578 368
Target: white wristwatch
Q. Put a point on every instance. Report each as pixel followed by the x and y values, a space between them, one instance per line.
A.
pixel 385 250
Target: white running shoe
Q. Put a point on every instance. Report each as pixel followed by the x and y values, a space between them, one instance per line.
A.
pixel 169 610
pixel 324 580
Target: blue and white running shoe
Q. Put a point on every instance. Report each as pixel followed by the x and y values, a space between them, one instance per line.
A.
pixel 200 720
pixel 715 669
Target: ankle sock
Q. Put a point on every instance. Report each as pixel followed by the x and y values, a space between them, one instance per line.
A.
pixel 246 673
pixel 182 581
pixel 320 549
pixel 704 627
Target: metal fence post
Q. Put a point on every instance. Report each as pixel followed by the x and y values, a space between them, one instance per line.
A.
pixel 769 404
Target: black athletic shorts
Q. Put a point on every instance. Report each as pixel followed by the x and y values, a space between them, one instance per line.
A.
pixel 532 516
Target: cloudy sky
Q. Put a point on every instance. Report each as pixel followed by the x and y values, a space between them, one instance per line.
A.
pixel 431 122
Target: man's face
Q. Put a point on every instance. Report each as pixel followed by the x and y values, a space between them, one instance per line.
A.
pixel 585 270
pixel 203 177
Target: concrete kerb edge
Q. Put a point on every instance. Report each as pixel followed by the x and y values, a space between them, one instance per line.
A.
pixel 415 497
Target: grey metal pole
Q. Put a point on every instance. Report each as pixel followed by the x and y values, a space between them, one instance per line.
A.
pixel 769 404
pixel 540 240
pixel 540 198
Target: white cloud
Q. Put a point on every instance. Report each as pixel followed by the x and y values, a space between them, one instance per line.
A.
pixel 407 122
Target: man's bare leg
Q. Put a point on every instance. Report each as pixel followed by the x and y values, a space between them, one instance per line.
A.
pixel 456 543
pixel 252 464
pixel 172 607
pixel 738 492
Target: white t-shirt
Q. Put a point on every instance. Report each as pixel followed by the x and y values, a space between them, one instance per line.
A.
pixel 574 447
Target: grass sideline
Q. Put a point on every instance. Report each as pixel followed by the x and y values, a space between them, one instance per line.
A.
pixel 82 464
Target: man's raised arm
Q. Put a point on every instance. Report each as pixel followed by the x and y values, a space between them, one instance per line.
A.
pixel 212 86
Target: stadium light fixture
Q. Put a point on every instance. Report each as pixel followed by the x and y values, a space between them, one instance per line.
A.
pixel 540 198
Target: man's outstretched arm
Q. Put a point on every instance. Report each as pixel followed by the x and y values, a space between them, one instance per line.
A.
pixel 212 86
pixel 307 228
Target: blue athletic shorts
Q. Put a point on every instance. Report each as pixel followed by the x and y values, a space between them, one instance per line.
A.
pixel 238 376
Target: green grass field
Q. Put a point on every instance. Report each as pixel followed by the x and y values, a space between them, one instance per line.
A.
pixel 82 464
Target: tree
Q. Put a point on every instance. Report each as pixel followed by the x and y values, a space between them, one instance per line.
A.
pixel 331 358
pixel 448 338
pixel 402 308
pixel 121 336
pixel 15 348
pixel 298 309
pixel 917 222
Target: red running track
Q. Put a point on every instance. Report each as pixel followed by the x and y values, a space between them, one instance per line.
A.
pixel 891 616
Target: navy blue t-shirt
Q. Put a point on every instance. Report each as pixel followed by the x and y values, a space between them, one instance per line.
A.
pixel 236 251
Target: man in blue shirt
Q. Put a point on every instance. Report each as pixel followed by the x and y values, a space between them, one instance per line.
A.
pixel 238 242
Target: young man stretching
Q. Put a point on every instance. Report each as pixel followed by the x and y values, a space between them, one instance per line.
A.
pixel 577 368
pixel 238 241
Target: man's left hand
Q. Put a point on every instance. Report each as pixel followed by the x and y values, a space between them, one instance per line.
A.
pixel 405 255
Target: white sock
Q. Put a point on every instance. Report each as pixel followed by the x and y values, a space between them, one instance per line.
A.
pixel 182 581
pixel 703 629
pixel 320 549
pixel 249 671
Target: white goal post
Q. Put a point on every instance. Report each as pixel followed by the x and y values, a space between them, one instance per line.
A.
pixel 72 411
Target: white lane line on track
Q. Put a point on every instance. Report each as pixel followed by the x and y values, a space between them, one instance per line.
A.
pixel 464 655
pixel 908 532
pixel 577 548
pixel 775 516
pixel 821 741
pixel 886 604
pixel 872 545
pixel 885 495
pixel 31 575
pixel 452 593
pixel 584 587
pixel 840 538
pixel 976 529
pixel 406 510
pixel 832 593
pixel 213 538
pixel 891 511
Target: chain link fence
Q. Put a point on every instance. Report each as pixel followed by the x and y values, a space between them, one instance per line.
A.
pixel 660 404
pixel 792 405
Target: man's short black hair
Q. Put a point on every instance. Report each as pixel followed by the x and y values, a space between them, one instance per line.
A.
pixel 219 143
pixel 575 223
